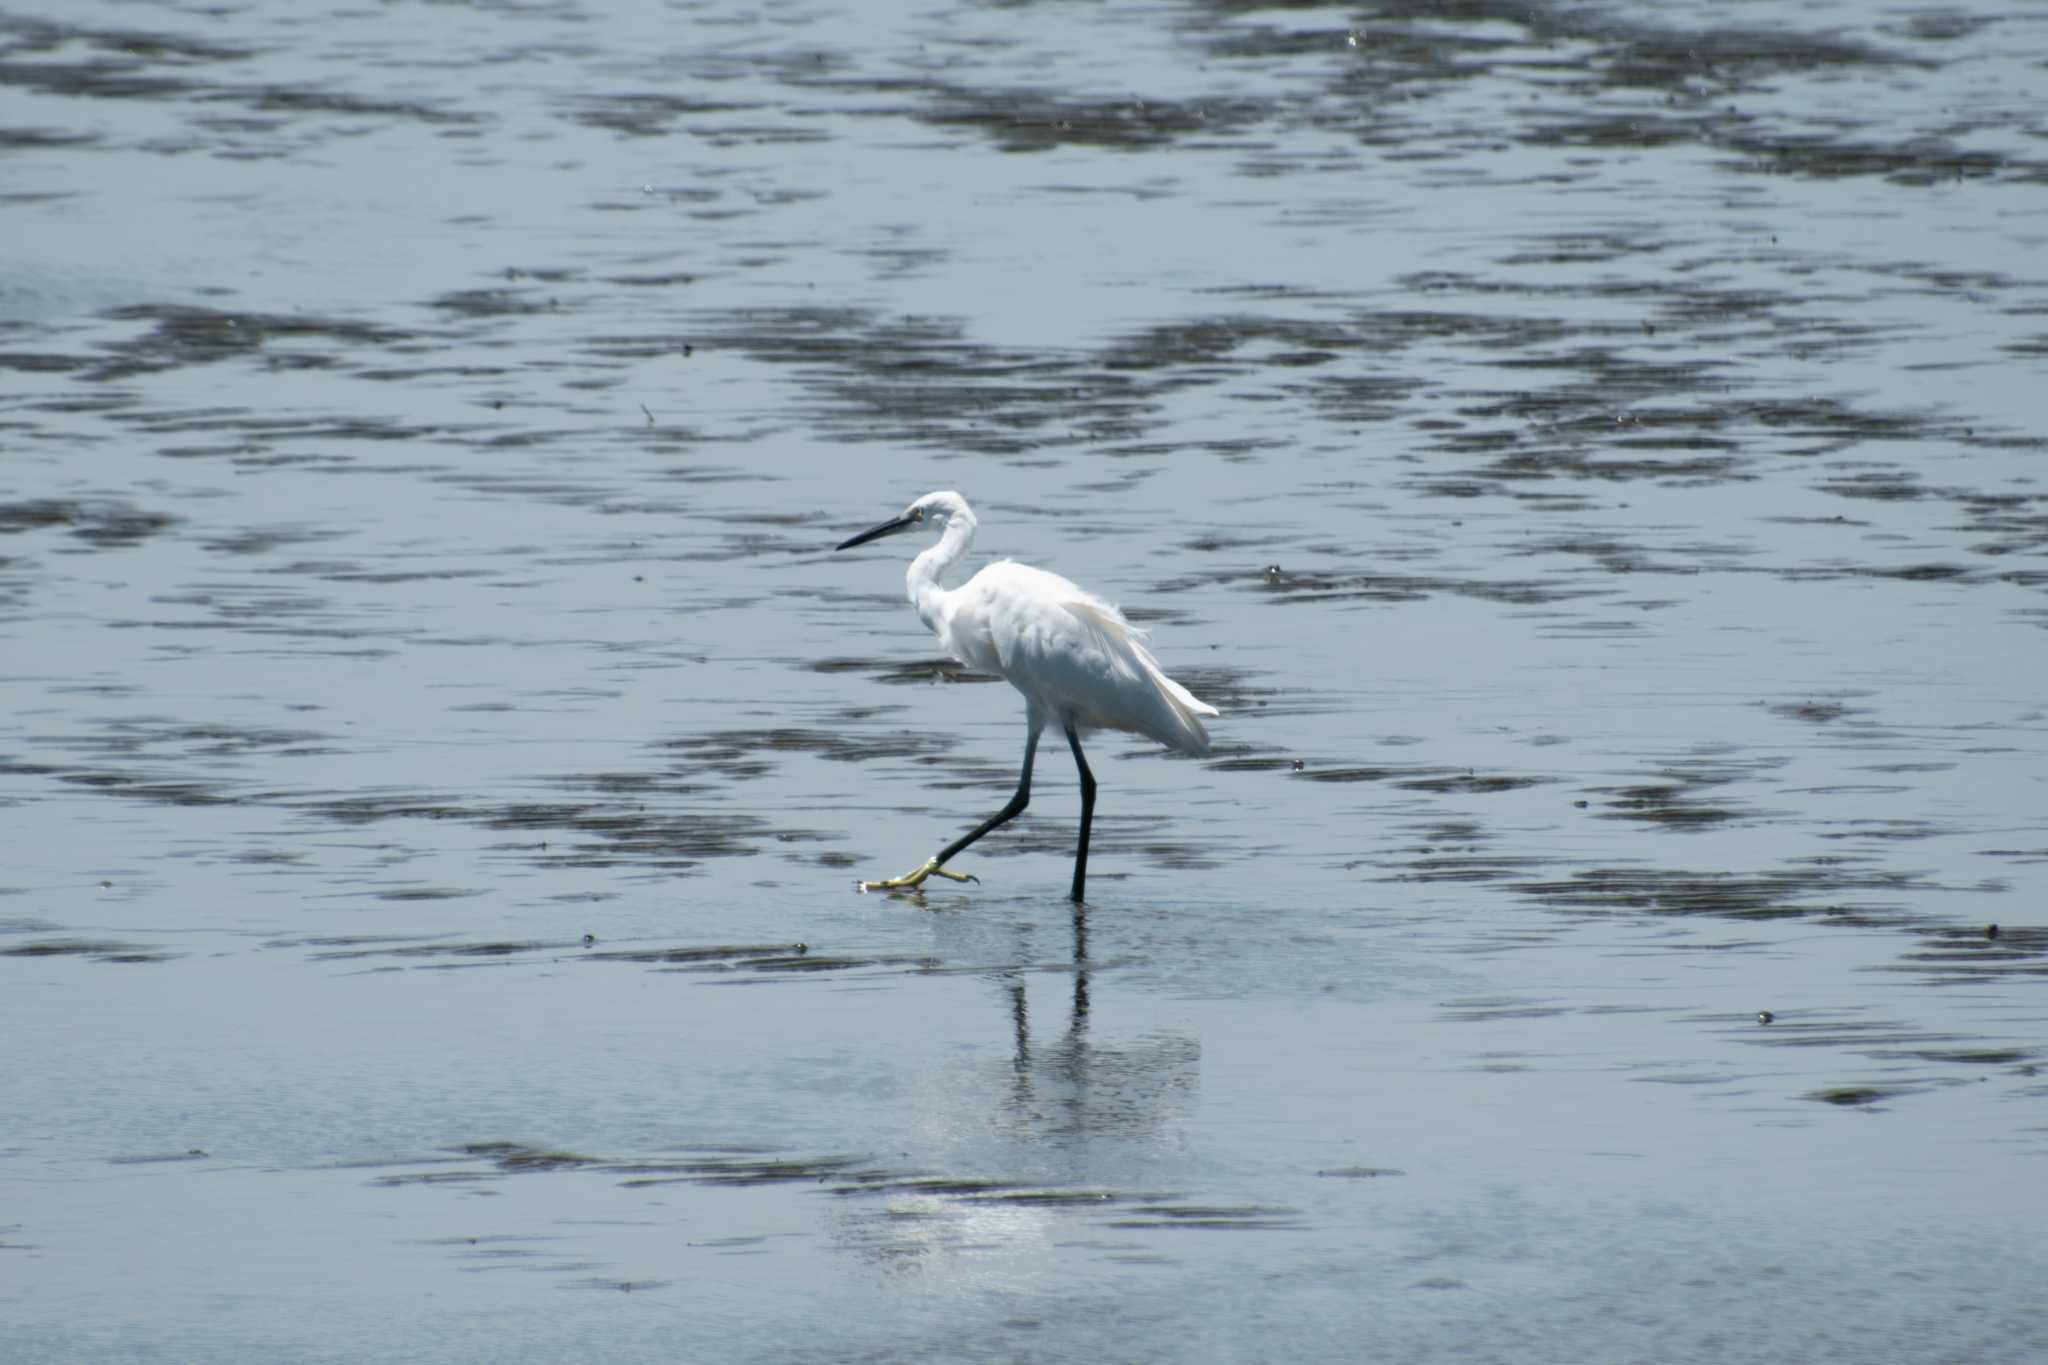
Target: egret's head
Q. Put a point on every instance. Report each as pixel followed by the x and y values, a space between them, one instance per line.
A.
pixel 933 511
pixel 936 509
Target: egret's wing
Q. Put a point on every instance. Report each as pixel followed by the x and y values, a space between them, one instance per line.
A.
pixel 1070 653
pixel 1144 698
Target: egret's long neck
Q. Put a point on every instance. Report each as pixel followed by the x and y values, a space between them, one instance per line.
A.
pixel 928 568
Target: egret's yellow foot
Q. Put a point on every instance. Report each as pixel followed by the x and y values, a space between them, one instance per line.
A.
pixel 910 881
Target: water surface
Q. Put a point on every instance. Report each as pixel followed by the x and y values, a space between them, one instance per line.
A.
pixel 1591 457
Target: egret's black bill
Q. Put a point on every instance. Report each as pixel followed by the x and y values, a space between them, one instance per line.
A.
pixel 886 528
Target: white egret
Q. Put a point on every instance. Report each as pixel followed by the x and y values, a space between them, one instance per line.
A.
pixel 1075 658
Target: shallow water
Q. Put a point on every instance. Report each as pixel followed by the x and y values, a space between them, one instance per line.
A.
pixel 1591 457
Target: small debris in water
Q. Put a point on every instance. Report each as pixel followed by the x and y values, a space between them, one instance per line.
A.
pixel 1764 1016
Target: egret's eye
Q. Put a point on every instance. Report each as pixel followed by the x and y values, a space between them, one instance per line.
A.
pixel 917 514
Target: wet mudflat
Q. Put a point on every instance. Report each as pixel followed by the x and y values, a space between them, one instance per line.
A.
pixel 1592 456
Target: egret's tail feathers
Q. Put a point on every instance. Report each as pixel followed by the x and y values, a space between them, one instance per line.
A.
pixel 1192 737
pixel 1167 712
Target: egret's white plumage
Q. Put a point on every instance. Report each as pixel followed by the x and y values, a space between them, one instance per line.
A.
pixel 1075 658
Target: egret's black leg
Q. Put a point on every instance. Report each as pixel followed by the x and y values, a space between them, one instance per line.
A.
pixel 936 864
pixel 1087 812
pixel 1006 814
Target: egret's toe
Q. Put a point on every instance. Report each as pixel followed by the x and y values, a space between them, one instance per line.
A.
pixel 915 878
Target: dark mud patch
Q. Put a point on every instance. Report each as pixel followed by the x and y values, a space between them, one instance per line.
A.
pixel 1816 711
pixel 890 1184
pixel 479 1161
pixel 1472 783
pixel 122 66
pixel 1433 864
pixel 99 950
pixel 907 1198
pixel 740 754
pixel 296 99
pixel 724 955
pixel 36 362
pixel 1294 589
pixel 1244 760
pixel 346 950
pixel 586 834
pixel 43 57
pixel 822 962
pixel 495 303
pixel 1858 1096
pixel 1834 896
pixel 254 541
pixel 1340 773
pixel 160 1158
pixel 675 842
pixel 1494 1009
pixel 182 335
pixel 1538 438
pixel 1412 777
pixel 1688 795
pixel 598 835
pixel 1918 162
pixel 1614 556
pixel 763 960
pixel 1455 850
pixel 411 894
pixel 163 738
pixel 1727 895
pixel 637 786
pixel 1606 416
pixel 24 924
pixel 348 941
pixel 873 378
pixel 897 673
pixel 1880 1039
pixel 1208 1217
pixel 652 114
pixel 1380 80
pixel 1665 83
pixel 1025 120
pixel 101 523
pixel 1975 955
pixel 138 787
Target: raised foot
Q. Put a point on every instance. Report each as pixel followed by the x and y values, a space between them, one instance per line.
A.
pixel 910 881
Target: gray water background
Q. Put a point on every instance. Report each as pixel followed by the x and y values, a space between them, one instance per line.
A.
pixel 1591 455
